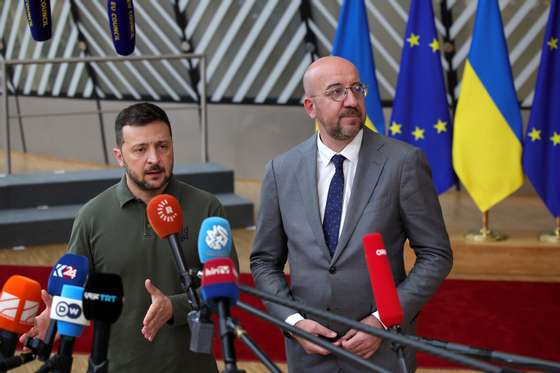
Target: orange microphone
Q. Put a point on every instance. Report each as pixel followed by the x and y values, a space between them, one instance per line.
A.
pixel 19 303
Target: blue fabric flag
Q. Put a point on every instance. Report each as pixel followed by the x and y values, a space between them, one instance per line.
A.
pixel 420 111
pixel 352 42
pixel 541 152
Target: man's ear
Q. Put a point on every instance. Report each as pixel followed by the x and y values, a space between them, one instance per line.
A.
pixel 309 106
pixel 117 152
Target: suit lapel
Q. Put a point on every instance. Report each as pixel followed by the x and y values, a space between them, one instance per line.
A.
pixel 370 165
pixel 307 180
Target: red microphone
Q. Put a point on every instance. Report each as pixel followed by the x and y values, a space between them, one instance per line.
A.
pixel 19 303
pixel 165 215
pixel 382 282
pixel 166 218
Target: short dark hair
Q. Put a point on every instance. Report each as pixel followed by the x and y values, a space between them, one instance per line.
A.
pixel 139 115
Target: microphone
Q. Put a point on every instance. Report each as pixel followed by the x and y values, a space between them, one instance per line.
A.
pixel 103 302
pixel 384 289
pixel 214 239
pixel 71 269
pixel 121 24
pixel 166 218
pixel 38 14
pixel 67 310
pixel 19 303
pixel 381 279
pixel 220 289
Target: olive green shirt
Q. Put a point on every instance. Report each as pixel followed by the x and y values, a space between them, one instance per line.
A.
pixel 113 232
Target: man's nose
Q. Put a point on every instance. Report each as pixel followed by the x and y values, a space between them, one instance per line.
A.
pixel 350 100
pixel 153 156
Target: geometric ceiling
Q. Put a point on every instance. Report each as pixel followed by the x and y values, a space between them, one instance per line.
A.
pixel 256 51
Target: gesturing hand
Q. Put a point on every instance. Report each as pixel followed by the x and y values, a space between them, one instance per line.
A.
pixel 41 322
pixel 159 312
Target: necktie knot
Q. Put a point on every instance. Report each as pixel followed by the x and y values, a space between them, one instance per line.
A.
pixel 337 160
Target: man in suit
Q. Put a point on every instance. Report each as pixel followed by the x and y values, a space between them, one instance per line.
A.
pixel 317 202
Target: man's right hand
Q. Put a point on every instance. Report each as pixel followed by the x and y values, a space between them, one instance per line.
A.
pixel 42 320
pixel 317 329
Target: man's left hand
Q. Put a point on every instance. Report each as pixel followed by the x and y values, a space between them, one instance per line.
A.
pixel 159 312
pixel 360 343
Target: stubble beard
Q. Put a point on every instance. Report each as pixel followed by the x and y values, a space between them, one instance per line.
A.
pixel 143 184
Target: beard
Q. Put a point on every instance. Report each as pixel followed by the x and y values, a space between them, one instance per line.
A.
pixel 344 133
pixel 146 185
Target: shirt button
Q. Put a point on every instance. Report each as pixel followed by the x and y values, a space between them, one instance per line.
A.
pixel 332 269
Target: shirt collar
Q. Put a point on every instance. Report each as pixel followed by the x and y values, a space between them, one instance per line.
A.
pixel 124 195
pixel 351 151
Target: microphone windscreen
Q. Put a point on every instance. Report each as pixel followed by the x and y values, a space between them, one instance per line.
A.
pixel 219 281
pixel 382 282
pixel 214 239
pixel 19 303
pixel 103 297
pixel 38 14
pixel 165 215
pixel 72 311
pixel 71 269
pixel 122 25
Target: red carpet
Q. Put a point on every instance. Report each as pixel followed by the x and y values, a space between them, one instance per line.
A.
pixel 514 317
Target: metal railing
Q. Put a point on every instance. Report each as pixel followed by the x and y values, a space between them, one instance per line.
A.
pixel 202 104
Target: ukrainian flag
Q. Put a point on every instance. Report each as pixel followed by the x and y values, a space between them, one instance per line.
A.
pixel 420 111
pixel 352 42
pixel 487 133
pixel 541 154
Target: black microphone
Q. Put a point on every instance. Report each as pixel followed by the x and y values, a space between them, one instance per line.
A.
pixel 103 302
pixel 122 25
pixel 38 14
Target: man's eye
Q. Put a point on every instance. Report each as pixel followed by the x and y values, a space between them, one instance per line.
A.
pixel 139 150
pixel 336 92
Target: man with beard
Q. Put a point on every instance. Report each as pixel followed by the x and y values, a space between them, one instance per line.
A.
pixel 317 202
pixel 113 231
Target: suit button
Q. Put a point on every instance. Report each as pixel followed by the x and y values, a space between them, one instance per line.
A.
pixel 332 269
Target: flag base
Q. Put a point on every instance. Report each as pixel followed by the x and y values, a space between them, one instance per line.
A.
pixel 550 237
pixel 485 235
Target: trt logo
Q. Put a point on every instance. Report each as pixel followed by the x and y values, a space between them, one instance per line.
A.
pixel 217 237
pixel 65 271
pixel 166 212
pixel 71 310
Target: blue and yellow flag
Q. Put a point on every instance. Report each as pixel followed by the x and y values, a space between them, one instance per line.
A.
pixel 352 42
pixel 541 154
pixel 487 128
pixel 420 110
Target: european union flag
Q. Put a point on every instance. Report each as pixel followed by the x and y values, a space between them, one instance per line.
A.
pixel 420 110
pixel 541 153
pixel 352 42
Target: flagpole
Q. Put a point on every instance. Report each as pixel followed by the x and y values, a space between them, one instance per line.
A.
pixel 554 236
pixel 485 234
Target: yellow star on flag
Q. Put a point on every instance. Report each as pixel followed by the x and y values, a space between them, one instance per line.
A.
pixel 434 45
pixel 413 40
pixel 440 126
pixel 555 138
pixel 418 133
pixel 535 134
pixel 553 43
pixel 395 128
